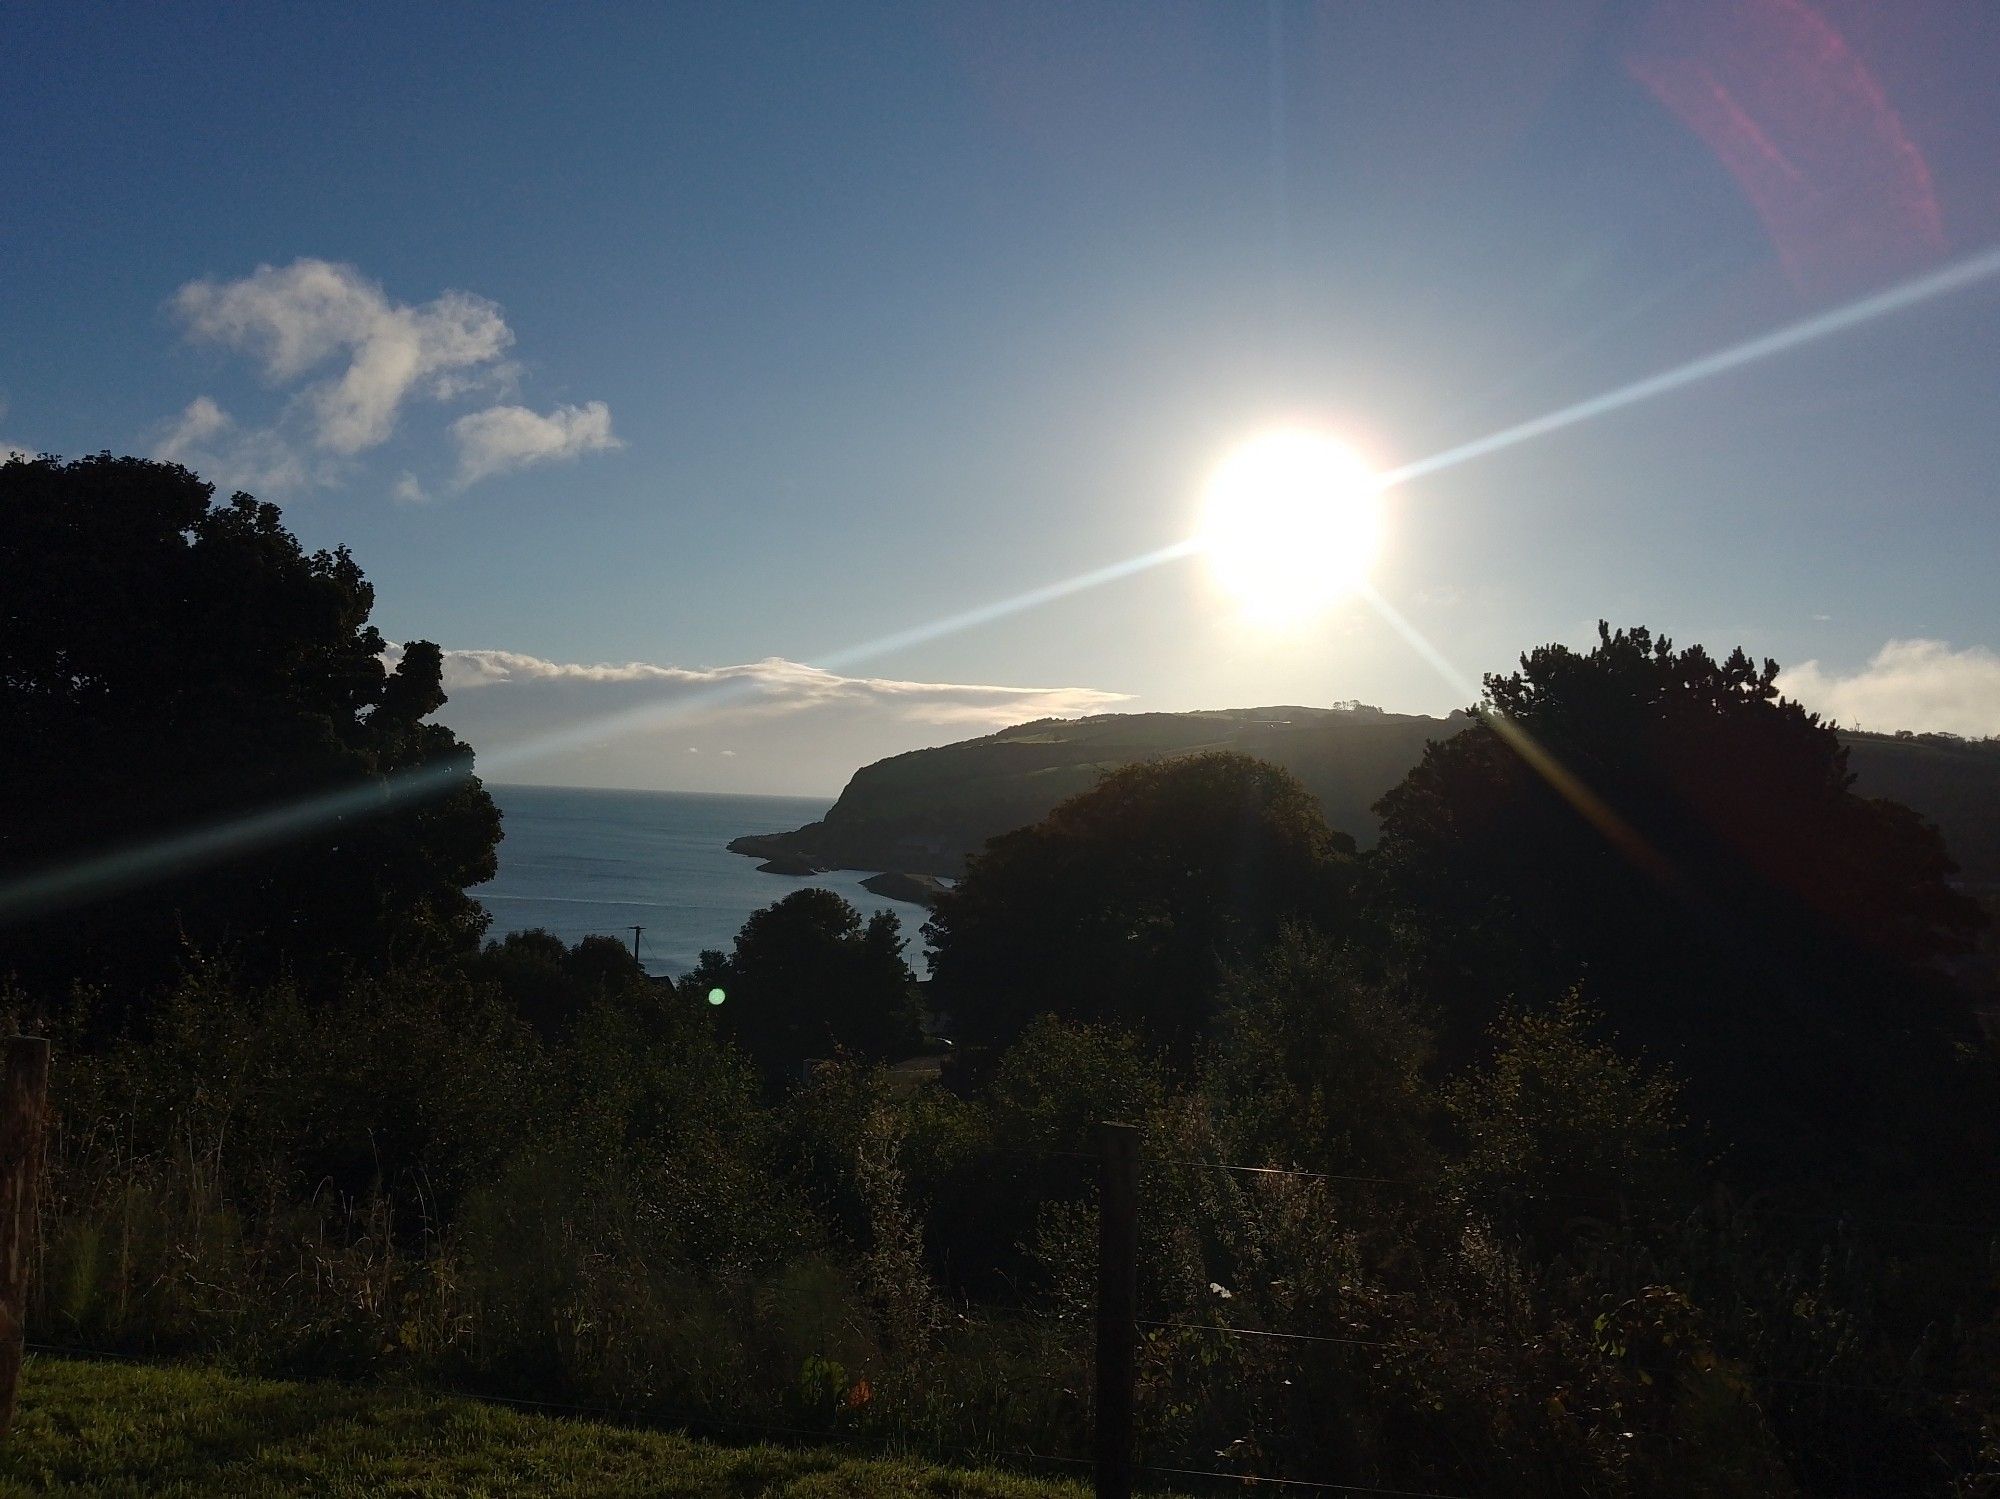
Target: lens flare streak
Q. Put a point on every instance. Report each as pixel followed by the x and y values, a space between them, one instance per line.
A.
pixel 1034 598
pixel 1566 783
pixel 96 876
pixel 1939 283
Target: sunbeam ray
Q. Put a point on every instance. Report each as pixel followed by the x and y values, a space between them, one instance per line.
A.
pixel 109 873
pixel 1939 283
pixel 1567 784
pixel 1034 598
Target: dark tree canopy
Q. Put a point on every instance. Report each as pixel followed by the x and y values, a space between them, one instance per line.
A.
pixel 807 978
pixel 168 664
pixel 551 985
pixel 1668 829
pixel 1126 903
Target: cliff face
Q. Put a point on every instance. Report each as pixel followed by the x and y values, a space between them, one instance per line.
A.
pixel 927 811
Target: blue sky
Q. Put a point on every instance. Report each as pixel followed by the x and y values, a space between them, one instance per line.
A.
pixel 629 347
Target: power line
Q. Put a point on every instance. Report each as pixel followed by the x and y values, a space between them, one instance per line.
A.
pixel 1635 1199
pixel 1259 1332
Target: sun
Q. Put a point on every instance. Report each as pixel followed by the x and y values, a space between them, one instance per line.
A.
pixel 1291 524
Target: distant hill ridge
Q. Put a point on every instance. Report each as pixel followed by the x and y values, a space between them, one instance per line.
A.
pixel 926 811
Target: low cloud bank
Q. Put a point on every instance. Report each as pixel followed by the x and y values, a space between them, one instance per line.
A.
pixel 1923 685
pixel 770 725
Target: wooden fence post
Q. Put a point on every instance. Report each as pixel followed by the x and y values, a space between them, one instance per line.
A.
pixel 1117 1307
pixel 24 1088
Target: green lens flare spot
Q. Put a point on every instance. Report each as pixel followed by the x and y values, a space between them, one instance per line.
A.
pixel 716 996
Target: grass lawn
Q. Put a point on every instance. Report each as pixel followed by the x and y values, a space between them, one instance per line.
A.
pixel 102 1428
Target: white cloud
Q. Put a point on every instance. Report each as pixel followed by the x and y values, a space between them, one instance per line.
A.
pixel 790 726
pixel 358 359
pixel 500 379
pixel 502 438
pixel 1909 684
pixel 408 491
pixel 207 439
pixel 311 312
pixel 201 420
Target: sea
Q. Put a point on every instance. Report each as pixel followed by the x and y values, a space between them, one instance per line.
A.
pixel 579 862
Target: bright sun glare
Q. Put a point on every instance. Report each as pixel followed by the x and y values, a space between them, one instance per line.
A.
pixel 1291 523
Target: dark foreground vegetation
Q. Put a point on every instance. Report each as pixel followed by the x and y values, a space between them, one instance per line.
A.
pixel 1617 1125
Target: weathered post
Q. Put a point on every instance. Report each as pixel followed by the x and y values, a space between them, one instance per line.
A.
pixel 24 1088
pixel 1117 1306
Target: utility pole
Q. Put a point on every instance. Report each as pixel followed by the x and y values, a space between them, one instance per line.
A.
pixel 635 942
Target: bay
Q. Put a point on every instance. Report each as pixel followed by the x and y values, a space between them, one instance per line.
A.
pixel 579 862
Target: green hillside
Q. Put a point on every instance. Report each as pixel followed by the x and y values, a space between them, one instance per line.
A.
pixel 924 812
pixel 1954 782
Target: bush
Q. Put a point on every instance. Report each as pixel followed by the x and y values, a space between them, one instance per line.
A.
pixel 1558 1127
pixel 1321 1063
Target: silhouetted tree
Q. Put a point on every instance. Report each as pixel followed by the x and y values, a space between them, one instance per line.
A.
pixel 1126 903
pixel 808 978
pixel 1670 831
pixel 168 666
pixel 551 985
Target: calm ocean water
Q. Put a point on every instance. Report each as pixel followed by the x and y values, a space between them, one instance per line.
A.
pixel 580 862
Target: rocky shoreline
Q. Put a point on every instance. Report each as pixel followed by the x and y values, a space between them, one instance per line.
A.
pixel 916 889
pixel 782 854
